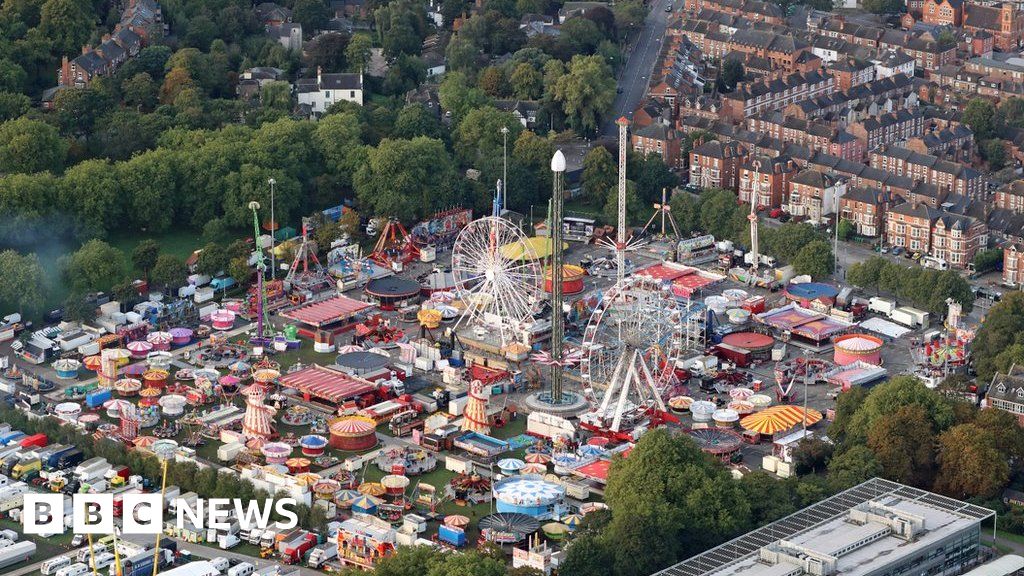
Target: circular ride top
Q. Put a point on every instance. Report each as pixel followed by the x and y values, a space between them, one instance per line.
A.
pixel 500 289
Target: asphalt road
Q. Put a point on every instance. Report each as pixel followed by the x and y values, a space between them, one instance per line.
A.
pixel 634 75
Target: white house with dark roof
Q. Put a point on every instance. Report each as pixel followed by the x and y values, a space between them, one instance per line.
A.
pixel 326 89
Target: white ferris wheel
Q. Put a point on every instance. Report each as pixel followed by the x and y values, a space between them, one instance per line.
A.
pixel 497 275
pixel 629 349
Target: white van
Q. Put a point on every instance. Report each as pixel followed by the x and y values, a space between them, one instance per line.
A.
pixel 243 569
pixel 51 566
pixel 76 569
pixel 103 560
pixel 936 263
pixel 220 564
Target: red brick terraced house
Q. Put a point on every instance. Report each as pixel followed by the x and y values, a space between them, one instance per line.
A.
pixel 866 209
pixel 953 176
pixel 716 164
pixel 659 139
pixel 891 128
pixel 771 179
pixel 750 99
pixel 1011 197
pixel 920 228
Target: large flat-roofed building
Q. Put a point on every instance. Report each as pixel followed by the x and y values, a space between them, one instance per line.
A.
pixel 878 528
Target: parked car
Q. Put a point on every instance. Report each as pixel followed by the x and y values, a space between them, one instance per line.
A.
pixel 916 256
pixel 776 212
pixel 897 250
pixel 784 218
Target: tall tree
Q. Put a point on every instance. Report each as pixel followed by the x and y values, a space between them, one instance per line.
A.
pixel 815 259
pixel 527 82
pixel 145 254
pixel 94 266
pixel 68 23
pixel 405 178
pixel 969 463
pixel 169 271
pixel 31 146
pixel 312 14
pixel 585 92
pixel 22 283
pixel 979 114
pixel 326 51
pixel 357 53
pixel 600 174
pixel 903 443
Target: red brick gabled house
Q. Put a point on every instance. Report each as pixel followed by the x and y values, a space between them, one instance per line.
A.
pixel 943 12
pixel 716 164
pixel 771 180
pixel 866 209
pixel 659 139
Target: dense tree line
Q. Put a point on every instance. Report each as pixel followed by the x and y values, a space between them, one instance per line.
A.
pixel 903 431
pixel 999 343
pixel 923 288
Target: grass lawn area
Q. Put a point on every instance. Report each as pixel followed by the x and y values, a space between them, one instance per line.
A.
pixel 1002 535
pixel 178 242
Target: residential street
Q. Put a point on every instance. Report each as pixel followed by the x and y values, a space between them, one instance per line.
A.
pixel 633 77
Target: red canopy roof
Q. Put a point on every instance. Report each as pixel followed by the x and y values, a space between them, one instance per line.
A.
pixel 327 384
pixel 327 311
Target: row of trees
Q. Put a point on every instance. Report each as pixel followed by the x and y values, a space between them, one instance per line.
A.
pixel 207 482
pixel 719 213
pixel 922 287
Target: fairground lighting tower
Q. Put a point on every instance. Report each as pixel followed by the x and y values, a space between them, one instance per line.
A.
pixel 557 318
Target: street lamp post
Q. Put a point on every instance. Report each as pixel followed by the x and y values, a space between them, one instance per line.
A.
pixel 273 232
pixel 835 240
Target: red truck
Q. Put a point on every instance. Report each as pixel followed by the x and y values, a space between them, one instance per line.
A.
pixel 738 356
pixel 294 545
pixel 34 441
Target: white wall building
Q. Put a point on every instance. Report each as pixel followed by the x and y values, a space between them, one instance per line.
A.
pixel 321 92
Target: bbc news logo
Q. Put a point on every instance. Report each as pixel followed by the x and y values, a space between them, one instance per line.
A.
pixel 44 514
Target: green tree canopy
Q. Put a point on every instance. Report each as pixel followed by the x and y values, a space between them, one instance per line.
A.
pixel 585 92
pixel 815 259
pixel 94 266
pixel 29 146
pixel 600 174
pixel 401 178
pixel 169 271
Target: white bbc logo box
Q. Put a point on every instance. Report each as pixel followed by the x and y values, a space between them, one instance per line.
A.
pixel 43 514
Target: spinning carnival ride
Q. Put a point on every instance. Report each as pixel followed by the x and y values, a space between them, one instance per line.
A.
pixel 499 286
pixel 630 348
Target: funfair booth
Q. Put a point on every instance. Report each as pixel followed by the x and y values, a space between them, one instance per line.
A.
pixel 804 327
pixel 326 384
pixel 332 315
pixel 530 494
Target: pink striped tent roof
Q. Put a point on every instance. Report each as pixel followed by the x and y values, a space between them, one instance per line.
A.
pixel 326 311
pixel 324 383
